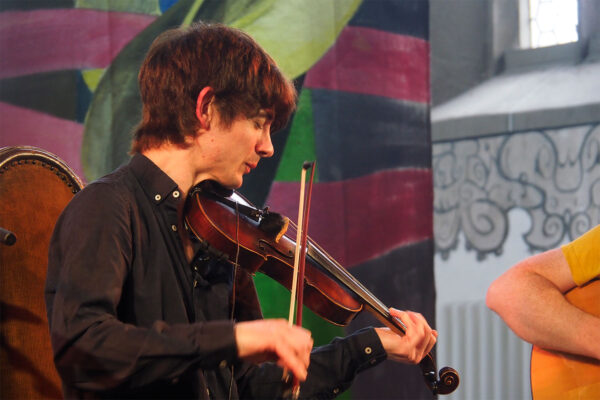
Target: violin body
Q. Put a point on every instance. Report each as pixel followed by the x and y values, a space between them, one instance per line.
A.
pixel 269 252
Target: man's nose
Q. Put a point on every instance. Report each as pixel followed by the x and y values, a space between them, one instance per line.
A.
pixel 265 147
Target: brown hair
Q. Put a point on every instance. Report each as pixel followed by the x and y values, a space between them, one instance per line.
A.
pixel 181 62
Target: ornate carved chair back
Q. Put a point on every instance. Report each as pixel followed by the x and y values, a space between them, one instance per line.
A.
pixel 35 186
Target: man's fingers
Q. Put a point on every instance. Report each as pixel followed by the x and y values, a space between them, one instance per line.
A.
pixel 293 352
pixel 275 340
pixel 288 359
pixel 432 341
pixel 418 339
pixel 424 337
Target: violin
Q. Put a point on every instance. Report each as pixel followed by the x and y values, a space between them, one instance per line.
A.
pixel 230 227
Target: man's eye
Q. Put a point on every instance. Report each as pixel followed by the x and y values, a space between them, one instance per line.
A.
pixel 257 125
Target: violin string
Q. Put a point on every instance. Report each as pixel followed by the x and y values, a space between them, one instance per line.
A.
pixel 348 279
pixel 357 287
pixel 339 272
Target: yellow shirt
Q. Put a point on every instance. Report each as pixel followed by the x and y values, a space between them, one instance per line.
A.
pixel 583 256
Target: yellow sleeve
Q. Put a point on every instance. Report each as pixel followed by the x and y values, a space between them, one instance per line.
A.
pixel 583 256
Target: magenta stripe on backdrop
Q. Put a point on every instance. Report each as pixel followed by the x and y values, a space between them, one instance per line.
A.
pixel 370 61
pixel 56 39
pixel 21 126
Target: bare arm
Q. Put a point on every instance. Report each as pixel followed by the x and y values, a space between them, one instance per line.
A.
pixel 529 298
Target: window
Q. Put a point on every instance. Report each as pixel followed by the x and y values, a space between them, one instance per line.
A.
pixel 548 22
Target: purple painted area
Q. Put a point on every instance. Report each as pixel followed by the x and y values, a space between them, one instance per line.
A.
pixel 61 137
pixel 371 61
pixel 359 219
pixel 56 39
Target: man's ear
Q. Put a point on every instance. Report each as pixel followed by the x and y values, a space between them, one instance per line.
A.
pixel 205 106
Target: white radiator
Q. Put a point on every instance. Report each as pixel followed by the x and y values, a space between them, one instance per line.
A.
pixel 493 363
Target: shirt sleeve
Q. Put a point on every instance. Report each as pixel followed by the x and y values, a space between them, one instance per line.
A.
pixel 332 369
pixel 89 260
pixel 583 256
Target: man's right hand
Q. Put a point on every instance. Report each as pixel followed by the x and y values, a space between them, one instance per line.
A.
pixel 275 340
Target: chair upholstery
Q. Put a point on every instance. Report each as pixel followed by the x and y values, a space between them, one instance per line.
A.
pixel 35 186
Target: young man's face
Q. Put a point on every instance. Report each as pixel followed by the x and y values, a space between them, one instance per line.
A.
pixel 237 149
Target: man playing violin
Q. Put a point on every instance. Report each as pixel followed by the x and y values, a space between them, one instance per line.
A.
pixel 136 307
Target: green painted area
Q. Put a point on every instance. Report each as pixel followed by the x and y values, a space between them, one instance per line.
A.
pixel 296 33
pixel 151 7
pixel 300 145
pixel 189 18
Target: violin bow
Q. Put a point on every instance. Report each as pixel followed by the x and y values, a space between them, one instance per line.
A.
pixel 297 292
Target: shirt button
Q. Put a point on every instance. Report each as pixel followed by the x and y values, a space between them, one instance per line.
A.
pixel 336 390
pixel 174 228
pixel 157 197
pixel 196 268
pixel 195 283
pixel 368 350
pixel 223 364
pixel 176 194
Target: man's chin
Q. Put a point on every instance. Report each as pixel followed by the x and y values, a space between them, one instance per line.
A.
pixel 232 185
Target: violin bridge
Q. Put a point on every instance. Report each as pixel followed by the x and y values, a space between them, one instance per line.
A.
pixel 283 230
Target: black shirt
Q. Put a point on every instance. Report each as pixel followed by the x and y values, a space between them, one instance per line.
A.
pixel 131 318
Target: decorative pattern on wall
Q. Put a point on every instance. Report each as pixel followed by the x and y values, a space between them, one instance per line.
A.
pixel 554 175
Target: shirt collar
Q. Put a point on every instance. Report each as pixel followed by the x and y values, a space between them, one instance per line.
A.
pixel 157 185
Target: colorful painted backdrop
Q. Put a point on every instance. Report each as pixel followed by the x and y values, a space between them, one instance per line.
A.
pixel 68 85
